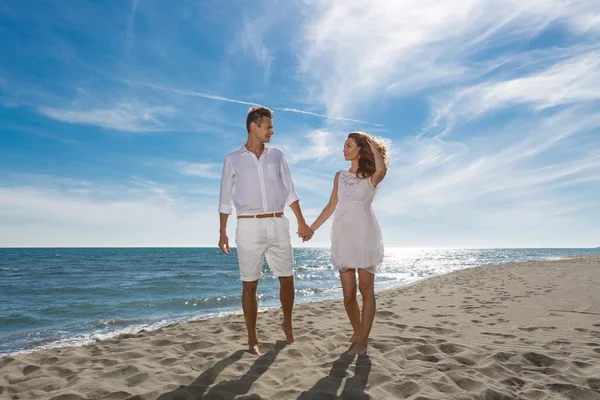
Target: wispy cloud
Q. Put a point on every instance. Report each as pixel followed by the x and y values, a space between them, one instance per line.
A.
pixel 574 80
pixel 193 93
pixel 51 211
pixel 294 110
pixel 312 145
pixel 203 170
pixel 408 46
pixel 131 25
pixel 494 173
pixel 491 107
pixel 542 80
pixel 252 40
pixel 31 216
pixel 127 117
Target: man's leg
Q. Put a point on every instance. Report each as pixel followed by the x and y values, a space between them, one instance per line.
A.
pixel 250 307
pixel 280 258
pixel 287 293
pixel 251 246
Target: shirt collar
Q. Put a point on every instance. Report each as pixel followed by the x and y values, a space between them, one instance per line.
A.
pixel 244 149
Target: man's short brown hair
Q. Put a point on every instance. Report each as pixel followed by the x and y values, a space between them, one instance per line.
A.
pixel 256 115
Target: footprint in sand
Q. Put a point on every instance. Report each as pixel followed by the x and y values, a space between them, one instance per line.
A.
pixel 502 335
pixel 451 348
pixel 401 390
pixel 463 381
pixel 386 314
pixel 535 328
pixel 105 362
pixel 503 356
pixel 64 373
pixel 594 383
pixel 200 345
pixel 395 325
pixel 30 369
pixel 439 331
pixel 137 379
pixel 542 360
pixel 513 382
pixel 581 364
pixel 49 360
pixel 448 323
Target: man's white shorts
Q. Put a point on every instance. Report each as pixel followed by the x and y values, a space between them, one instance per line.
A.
pixel 257 238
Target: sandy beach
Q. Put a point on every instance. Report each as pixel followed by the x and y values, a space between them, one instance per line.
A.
pixel 513 331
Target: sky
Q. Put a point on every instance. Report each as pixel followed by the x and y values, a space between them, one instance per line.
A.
pixel 116 116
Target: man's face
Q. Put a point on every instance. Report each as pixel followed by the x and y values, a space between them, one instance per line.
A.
pixel 265 130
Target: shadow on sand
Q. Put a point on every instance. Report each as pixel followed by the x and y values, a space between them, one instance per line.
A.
pixel 226 389
pixel 327 387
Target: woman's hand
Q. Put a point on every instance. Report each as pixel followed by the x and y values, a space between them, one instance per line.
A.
pixel 372 144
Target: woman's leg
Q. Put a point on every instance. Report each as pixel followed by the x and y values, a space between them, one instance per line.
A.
pixel 367 291
pixel 348 279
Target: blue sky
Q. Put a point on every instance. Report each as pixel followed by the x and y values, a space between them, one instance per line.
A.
pixel 115 116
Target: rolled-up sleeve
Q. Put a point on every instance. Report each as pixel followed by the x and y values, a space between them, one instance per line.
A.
pixel 286 176
pixel 227 182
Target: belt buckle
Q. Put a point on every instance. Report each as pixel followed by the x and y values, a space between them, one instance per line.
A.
pixel 267 215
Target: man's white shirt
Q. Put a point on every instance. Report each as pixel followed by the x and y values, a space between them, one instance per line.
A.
pixel 256 186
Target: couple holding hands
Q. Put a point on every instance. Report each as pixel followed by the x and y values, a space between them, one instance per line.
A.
pixel 256 181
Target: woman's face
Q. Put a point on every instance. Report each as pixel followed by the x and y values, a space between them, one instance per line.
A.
pixel 351 149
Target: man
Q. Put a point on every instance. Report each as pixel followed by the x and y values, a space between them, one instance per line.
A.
pixel 257 180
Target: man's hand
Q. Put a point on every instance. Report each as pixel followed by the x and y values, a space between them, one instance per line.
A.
pixel 305 232
pixel 224 243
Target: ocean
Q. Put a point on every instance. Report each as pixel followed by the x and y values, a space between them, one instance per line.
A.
pixel 74 296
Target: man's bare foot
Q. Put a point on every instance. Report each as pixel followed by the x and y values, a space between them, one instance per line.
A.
pixel 359 348
pixel 289 334
pixel 253 349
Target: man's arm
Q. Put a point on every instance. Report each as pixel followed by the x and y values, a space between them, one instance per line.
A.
pixel 223 239
pixel 293 201
pixel 225 201
pixel 304 230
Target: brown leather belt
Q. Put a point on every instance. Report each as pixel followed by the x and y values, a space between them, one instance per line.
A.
pixel 269 215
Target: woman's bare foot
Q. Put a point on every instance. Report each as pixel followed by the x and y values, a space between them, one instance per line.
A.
pixel 359 348
pixel 289 334
pixel 353 340
pixel 253 349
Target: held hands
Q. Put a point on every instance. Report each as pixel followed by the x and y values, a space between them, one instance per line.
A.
pixel 305 232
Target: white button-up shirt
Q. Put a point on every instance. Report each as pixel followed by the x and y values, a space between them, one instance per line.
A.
pixel 256 185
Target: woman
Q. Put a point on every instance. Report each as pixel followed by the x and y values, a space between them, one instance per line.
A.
pixel 356 242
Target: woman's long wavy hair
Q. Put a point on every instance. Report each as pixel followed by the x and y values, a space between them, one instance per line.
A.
pixel 366 162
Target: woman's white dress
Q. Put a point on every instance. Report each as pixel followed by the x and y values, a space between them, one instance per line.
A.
pixel 356 240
